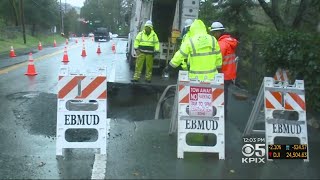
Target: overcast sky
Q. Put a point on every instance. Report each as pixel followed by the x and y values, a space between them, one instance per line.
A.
pixel 78 3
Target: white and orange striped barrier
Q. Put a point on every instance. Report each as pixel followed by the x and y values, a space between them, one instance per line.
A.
pixel 280 101
pixel 82 104
pixel 285 98
pixel 200 110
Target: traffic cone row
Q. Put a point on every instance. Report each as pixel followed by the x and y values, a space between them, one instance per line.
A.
pixel 31 71
pixel 12 54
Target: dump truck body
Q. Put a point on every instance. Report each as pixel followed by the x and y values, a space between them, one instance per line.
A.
pixel 168 18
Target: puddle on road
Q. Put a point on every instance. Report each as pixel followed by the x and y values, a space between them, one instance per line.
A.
pixel 30 95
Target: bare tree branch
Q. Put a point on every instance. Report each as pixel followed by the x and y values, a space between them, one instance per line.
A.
pixel 275 17
pixel 287 11
pixel 15 11
pixel 299 16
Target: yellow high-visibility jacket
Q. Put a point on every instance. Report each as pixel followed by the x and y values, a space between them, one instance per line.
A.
pixel 147 44
pixel 202 51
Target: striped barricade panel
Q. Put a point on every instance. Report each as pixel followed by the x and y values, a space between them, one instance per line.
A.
pixel 82 87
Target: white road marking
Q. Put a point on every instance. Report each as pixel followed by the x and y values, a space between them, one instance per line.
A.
pixel 99 166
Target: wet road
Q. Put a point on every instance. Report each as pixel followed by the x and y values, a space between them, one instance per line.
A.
pixel 139 146
pixel 28 111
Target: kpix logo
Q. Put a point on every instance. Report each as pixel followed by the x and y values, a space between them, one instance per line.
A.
pixel 253 154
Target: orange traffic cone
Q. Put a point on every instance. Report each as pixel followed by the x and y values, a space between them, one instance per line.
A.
pixel 65 55
pixel 99 50
pixel 82 38
pixel 12 54
pixel 67 41
pixel 77 41
pixel 31 71
pixel 54 43
pixel 83 54
pixel 113 48
pixel 40 46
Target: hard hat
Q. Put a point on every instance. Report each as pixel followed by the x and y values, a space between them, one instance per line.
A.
pixel 149 23
pixel 188 22
pixel 216 26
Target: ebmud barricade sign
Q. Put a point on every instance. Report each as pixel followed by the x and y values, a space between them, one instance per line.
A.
pixel 201 111
pixel 284 117
pixel 82 104
pixel 285 98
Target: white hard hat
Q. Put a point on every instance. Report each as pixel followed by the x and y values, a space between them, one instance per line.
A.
pixel 216 26
pixel 148 23
pixel 188 22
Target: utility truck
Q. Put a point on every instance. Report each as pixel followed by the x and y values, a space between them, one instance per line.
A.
pixel 168 17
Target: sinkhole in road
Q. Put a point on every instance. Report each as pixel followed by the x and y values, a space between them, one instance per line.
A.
pixel 36 112
pixel 134 102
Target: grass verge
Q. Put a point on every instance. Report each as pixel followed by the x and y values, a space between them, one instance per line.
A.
pixel 32 42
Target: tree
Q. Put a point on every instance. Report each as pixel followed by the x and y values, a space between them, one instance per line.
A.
pixel 233 14
pixel 71 21
pixel 107 13
pixel 9 10
pixel 42 14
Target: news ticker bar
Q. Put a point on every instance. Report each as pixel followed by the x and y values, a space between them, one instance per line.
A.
pixel 292 151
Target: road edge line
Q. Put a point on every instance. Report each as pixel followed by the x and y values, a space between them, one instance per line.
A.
pixel 99 166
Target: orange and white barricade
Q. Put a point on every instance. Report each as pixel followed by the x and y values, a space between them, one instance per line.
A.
pixel 200 110
pixel 80 91
pixel 285 98
pixel 278 98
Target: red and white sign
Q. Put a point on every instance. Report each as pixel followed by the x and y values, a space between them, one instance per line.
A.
pixel 200 101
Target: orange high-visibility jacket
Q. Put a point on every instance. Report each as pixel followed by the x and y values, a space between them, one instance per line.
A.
pixel 228 47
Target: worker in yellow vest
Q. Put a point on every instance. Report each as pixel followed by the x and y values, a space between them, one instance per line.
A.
pixel 202 51
pixel 146 46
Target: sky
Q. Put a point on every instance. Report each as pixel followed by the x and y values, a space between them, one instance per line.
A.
pixel 78 3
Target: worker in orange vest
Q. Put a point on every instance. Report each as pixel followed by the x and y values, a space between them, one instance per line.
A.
pixel 228 47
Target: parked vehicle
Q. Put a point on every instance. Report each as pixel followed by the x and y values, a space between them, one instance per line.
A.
pixel 101 34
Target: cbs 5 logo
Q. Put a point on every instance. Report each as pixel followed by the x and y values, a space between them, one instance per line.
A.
pixel 259 150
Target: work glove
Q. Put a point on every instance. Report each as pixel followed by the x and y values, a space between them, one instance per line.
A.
pixel 168 69
pixel 184 66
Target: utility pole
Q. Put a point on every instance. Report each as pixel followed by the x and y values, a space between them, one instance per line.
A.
pixel 61 16
pixel 22 22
